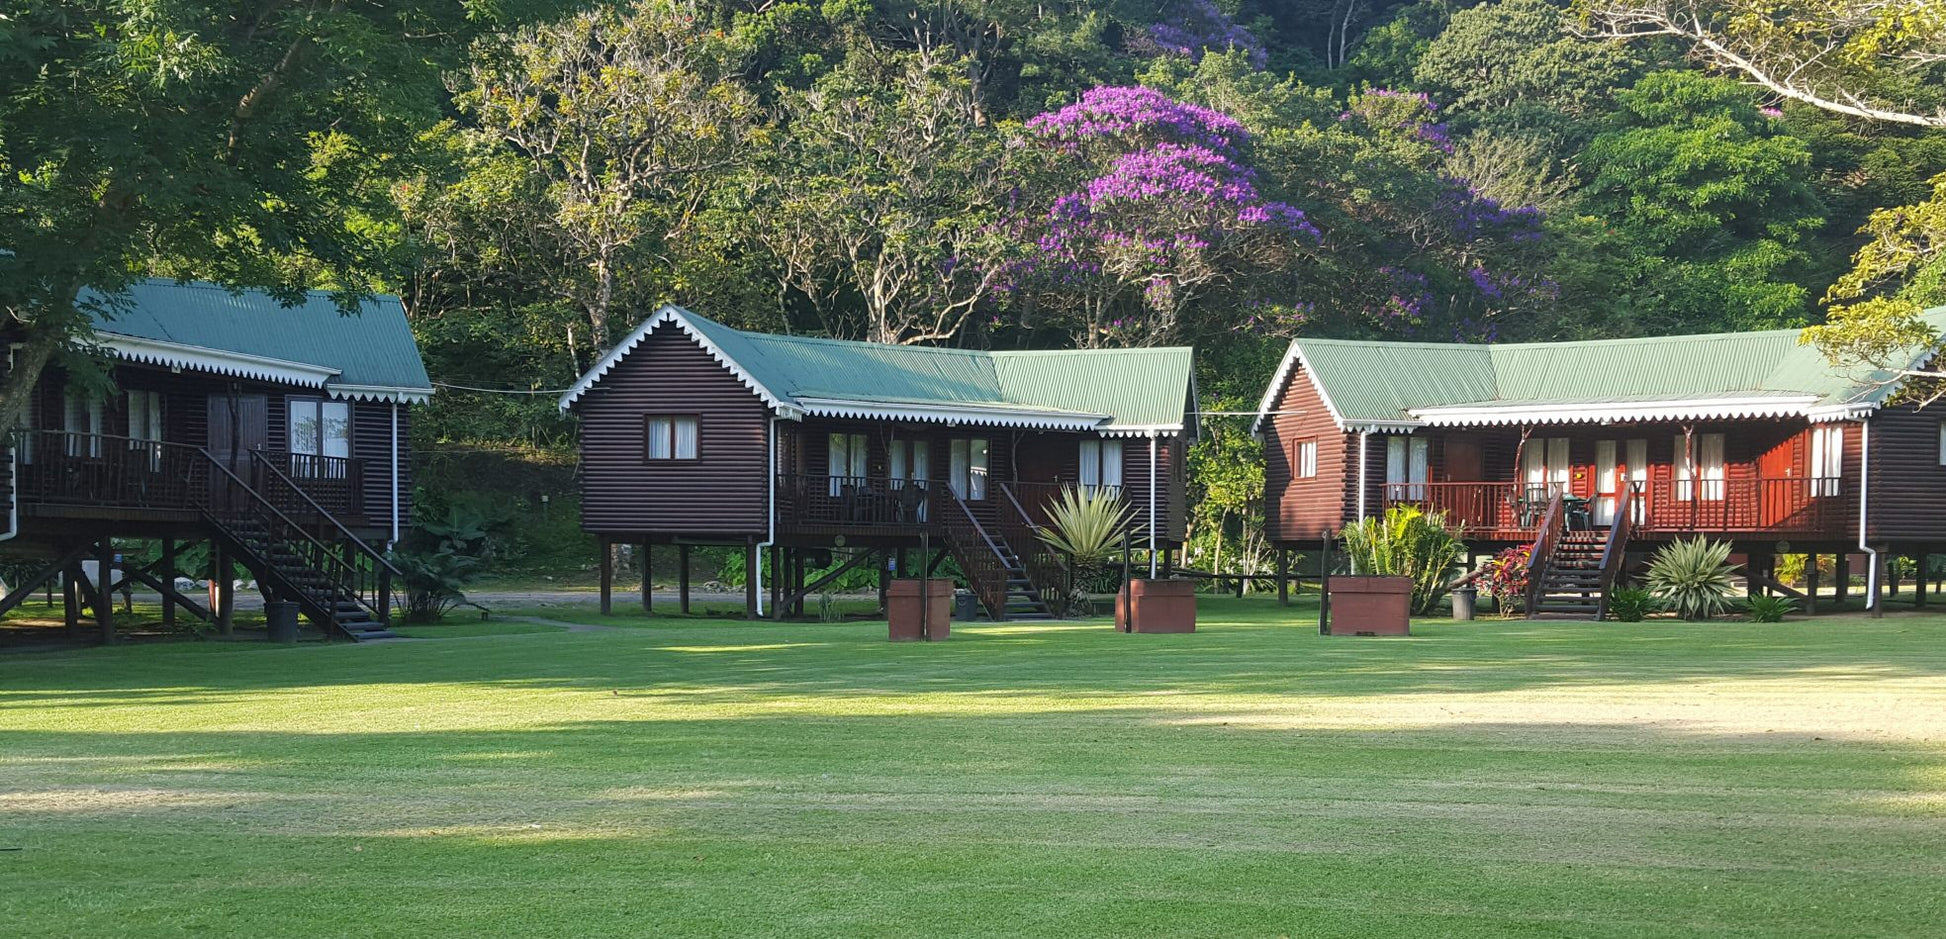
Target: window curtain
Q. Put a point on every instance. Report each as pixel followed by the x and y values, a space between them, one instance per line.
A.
pixel 1111 464
pixel 957 479
pixel 1090 464
pixel 686 434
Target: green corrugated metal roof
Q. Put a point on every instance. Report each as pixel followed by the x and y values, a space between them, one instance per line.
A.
pixel 373 347
pixel 1386 381
pixel 1129 387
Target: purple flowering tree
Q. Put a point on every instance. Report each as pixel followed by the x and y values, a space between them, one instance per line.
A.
pixel 1147 206
pixel 1194 27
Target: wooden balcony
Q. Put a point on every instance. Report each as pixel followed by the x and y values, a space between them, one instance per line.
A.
pixel 1789 507
pixel 103 476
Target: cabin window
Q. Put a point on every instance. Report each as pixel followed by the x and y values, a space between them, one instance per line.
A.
pixel 1827 459
pixel 1101 464
pixel 1408 467
pixel 82 420
pixel 145 423
pixel 672 437
pixel 845 462
pixel 969 466
pixel 1544 467
pixel 320 437
pixel 1304 458
pixel 909 461
pixel 1706 465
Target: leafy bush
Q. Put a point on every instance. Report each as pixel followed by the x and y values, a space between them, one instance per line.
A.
pixel 1406 542
pixel 1505 577
pixel 1693 577
pixel 438 557
pixel 1086 526
pixel 1631 604
pixel 1768 609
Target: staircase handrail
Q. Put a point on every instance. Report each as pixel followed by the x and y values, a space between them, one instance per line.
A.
pixel 1616 550
pixel 980 561
pixel 323 556
pixel 1546 538
pixel 1046 575
pixel 343 532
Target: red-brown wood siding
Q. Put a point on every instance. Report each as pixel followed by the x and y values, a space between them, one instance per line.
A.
pixel 1908 497
pixel 725 491
pixel 1302 509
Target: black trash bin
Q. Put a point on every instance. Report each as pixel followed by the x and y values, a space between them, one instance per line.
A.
pixel 1465 602
pixel 281 617
pixel 966 606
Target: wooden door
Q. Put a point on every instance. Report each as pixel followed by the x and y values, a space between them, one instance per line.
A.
pixel 1780 491
pixel 1462 460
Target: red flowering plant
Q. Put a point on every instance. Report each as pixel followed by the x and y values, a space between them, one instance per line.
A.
pixel 1505 576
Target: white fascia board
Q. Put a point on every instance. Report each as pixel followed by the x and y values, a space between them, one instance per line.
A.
pixel 1384 427
pixel 380 393
pixel 1142 430
pixel 1294 359
pixel 670 313
pixel 1700 409
pixel 218 361
pixel 952 414
pixel 1841 412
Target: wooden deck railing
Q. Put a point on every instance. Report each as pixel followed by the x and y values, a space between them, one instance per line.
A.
pixel 1782 506
pixel 902 505
pixel 109 472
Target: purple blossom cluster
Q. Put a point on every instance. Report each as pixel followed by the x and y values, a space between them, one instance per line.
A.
pixel 1139 115
pixel 1196 27
pixel 1476 216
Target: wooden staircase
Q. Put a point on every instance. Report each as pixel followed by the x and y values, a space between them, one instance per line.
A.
pixel 997 574
pixel 300 551
pixel 1571 573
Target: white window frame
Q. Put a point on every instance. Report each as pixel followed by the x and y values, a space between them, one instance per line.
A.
pixel 1101 464
pixel 81 419
pixel 1827 468
pixel 845 460
pixel 1408 466
pixel 1304 458
pixel 145 423
pixel 1545 467
pixel 1711 469
pixel 971 462
pixel 321 412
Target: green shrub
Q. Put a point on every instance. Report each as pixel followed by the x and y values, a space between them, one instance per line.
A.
pixel 1631 604
pixel 1406 542
pixel 1692 578
pixel 1767 609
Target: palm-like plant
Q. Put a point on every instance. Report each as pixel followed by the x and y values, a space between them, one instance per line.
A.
pixel 1087 525
pixel 1693 577
pixel 1406 542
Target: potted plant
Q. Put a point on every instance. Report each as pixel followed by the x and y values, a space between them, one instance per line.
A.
pixel 1401 563
pixel 1086 526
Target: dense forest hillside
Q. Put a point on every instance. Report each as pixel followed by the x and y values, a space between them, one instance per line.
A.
pixel 533 178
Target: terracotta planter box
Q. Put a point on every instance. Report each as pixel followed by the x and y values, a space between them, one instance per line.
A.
pixel 1156 606
pixel 903 609
pixel 1371 606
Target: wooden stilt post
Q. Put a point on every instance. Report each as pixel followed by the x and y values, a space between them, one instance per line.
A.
pixel 1283 576
pixel 71 599
pixel 648 581
pixel 682 576
pixel 220 587
pixel 750 579
pixel 607 576
pixel 1919 560
pixel 1811 583
pixel 168 577
pixel 104 597
pixel 1842 574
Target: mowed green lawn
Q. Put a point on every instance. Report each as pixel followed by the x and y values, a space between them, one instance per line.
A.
pixel 676 777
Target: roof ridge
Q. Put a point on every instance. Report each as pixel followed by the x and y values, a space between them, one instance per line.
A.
pixel 1558 343
pixel 199 284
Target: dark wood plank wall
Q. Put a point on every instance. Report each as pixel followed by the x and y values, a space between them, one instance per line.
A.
pixel 725 492
pixel 1908 498
pixel 371 441
pixel 1030 456
pixel 1302 509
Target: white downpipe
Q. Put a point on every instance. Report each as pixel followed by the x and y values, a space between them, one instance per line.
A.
pixel 1152 519
pixel 395 475
pixel 1864 503
pixel 770 528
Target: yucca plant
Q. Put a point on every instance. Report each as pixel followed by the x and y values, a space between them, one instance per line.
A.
pixel 1767 609
pixel 1087 526
pixel 1692 577
pixel 1406 542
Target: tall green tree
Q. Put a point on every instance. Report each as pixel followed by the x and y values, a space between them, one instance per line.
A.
pixel 240 142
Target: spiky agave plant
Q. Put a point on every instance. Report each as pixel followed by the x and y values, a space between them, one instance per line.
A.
pixel 1406 542
pixel 1692 577
pixel 1087 525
